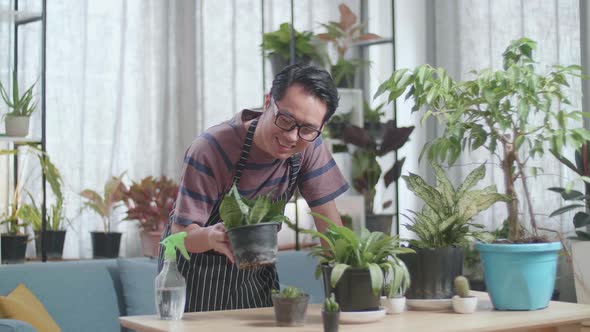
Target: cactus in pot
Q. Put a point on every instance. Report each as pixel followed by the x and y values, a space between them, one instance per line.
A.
pixel 463 303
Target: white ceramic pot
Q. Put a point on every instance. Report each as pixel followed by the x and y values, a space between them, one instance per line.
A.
pixel 464 305
pixel 17 125
pixel 395 305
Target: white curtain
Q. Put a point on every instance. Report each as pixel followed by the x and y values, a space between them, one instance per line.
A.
pixel 462 35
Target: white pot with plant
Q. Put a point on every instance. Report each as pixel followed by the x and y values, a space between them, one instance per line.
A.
pixel 463 302
pixel 500 110
pixel 21 107
pixel 394 300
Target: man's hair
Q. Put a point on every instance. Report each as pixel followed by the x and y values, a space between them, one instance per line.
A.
pixel 314 80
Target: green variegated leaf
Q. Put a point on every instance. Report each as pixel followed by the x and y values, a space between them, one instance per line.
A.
pixel 424 191
pixel 471 180
pixel 443 185
pixel 259 211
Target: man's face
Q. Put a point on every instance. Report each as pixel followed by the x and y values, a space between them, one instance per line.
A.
pixel 299 109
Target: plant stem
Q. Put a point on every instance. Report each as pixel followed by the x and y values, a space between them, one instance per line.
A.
pixel 515 229
pixel 527 194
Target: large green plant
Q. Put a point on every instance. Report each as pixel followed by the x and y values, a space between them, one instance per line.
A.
pixel 20 105
pixel 278 43
pixel 513 113
pixel 104 203
pixel 366 171
pixel 581 201
pixel 236 210
pixel 445 219
pixel 374 251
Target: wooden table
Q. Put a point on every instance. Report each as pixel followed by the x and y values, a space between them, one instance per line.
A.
pixel 559 316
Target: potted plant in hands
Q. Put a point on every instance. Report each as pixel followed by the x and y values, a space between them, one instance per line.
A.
pixel 463 303
pixel 252 227
pixel 495 111
pixel 353 267
pixel 290 306
pixel 393 298
pixel 330 314
pixel 580 244
pixel 105 244
pixel 343 35
pixel 22 106
pixel 276 46
pixel 150 201
pixel 442 228
pixel 366 171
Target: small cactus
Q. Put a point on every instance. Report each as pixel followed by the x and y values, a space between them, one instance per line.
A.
pixel 330 304
pixel 289 292
pixel 462 286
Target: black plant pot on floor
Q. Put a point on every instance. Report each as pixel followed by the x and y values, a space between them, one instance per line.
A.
pixel 433 272
pixel 254 245
pixel 353 291
pixel 13 248
pixel 54 243
pixel 105 245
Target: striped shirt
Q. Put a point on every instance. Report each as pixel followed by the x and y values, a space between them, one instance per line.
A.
pixel 209 164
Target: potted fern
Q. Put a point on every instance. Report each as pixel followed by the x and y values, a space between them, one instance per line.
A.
pixel 105 243
pixel 443 227
pixel 290 306
pixel 252 227
pixel 353 267
pixel 22 106
pixel 512 112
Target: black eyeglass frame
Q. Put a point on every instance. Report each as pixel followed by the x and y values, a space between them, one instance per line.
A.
pixel 278 114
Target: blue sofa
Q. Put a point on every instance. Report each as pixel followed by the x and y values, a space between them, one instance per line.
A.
pixel 91 295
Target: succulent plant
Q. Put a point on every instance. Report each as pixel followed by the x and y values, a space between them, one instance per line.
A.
pixel 330 304
pixel 462 286
pixel 289 292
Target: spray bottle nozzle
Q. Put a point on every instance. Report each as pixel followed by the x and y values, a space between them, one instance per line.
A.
pixel 172 242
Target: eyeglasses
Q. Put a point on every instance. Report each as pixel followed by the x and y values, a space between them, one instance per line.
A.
pixel 287 123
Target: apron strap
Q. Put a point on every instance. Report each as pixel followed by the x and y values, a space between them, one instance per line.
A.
pixel 245 152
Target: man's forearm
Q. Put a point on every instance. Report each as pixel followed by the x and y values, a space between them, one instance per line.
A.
pixel 197 239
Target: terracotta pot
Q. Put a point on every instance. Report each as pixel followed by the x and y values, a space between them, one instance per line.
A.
pixel 150 243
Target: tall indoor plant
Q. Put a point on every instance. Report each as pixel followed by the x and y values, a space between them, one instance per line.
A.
pixel 495 111
pixel 105 244
pixel 21 107
pixel 150 201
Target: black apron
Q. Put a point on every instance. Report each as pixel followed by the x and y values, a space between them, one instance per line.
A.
pixel 213 282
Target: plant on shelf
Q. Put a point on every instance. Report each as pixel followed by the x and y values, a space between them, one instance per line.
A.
pixel 445 219
pixel 581 201
pixel 375 253
pixel 343 35
pixel 150 201
pixel 290 306
pixel 515 113
pixel 366 171
pixel 372 119
pixel 276 46
pixel 252 227
pixel 21 107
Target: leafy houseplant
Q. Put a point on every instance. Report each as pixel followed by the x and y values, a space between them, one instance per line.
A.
pixel 393 298
pixel 252 227
pixel 22 106
pixel 276 46
pixel 512 112
pixel 106 243
pixel 463 302
pixel 290 306
pixel 150 201
pixel 354 266
pixel 330 314
pixel 344 34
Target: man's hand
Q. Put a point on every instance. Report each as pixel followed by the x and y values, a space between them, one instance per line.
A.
pixel 219 241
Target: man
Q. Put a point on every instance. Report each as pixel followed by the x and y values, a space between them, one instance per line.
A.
pixel 276 151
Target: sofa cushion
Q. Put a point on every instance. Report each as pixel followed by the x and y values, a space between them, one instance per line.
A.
pixel 21 304
pixel 80 296
pixel 137 278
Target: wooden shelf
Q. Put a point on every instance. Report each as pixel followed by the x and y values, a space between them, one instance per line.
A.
pixel 19 17
pixel 19 140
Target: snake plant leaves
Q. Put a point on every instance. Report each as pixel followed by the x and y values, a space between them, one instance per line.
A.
pixel 236 210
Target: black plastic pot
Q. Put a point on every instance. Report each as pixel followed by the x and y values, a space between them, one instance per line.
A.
pixel 13 248
pixel 278 63
pixel 330 320
pixel 290 311
pixel 353 291
pixel 54 242
pixel 379 223
pixel 105 245
pixel 433 272
pixel 254 245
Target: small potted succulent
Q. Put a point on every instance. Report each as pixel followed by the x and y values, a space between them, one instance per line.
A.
pixel 252 227
pixel 393 298
pixel 17 120
pixel 106 243
pixel 290 306
pixel 150 201
pixel 463 303
pixel 330 314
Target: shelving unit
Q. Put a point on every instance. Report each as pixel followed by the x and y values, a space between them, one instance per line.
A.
pixel 18 18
